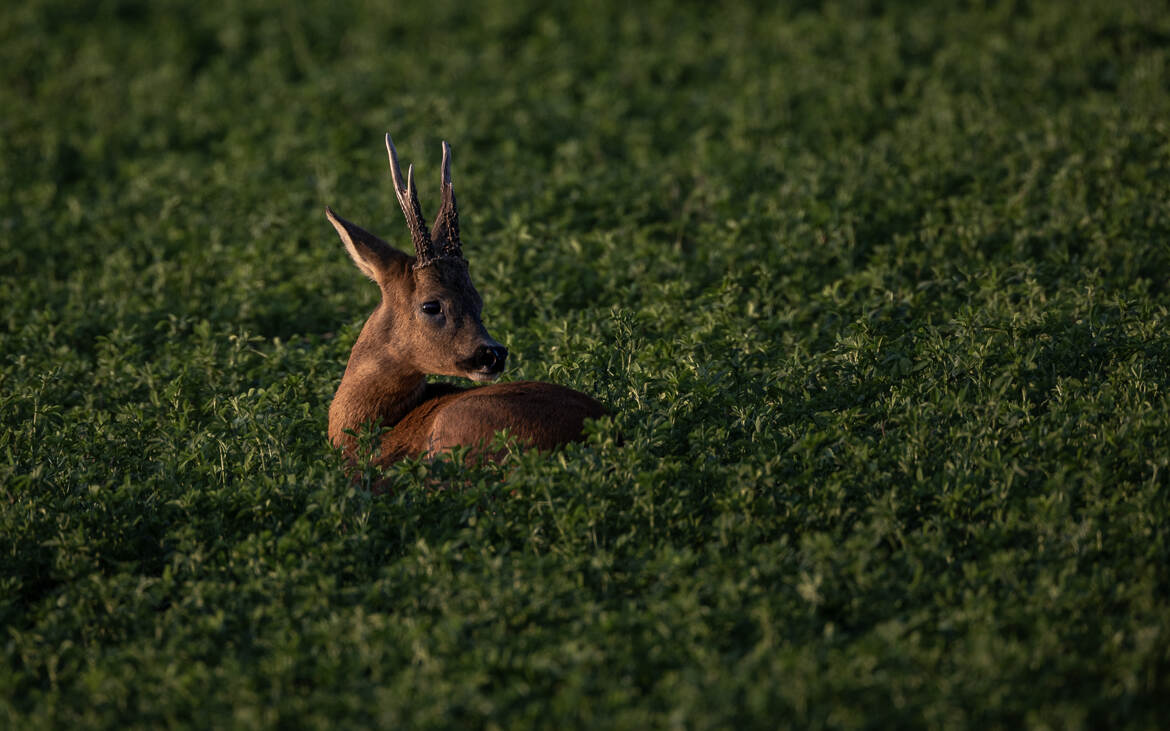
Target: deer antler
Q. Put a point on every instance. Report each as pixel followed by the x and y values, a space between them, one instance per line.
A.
pixel 445 232
pixel 408 200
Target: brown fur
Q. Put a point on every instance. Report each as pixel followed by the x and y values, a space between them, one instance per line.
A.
pixel 539 415
pixel 384 383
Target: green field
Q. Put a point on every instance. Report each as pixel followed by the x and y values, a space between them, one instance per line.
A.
pixel 876 291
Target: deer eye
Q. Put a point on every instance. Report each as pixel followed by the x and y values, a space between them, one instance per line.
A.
pixel 432 308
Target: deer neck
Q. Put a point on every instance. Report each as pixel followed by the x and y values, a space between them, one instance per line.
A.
pixel 375 389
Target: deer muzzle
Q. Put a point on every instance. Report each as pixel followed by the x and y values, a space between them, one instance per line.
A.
pixel 486 363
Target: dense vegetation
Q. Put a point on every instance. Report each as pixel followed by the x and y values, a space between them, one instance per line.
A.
pixel 877 293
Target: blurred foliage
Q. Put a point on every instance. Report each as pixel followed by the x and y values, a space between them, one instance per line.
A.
pixel 876 292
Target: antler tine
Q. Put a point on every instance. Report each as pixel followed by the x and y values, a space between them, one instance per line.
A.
pixel 445 232
pixel 446 169
pixel 408 200
pixel 395 171
pixel 412 192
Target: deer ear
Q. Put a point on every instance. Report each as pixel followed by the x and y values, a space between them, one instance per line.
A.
pixel 373 256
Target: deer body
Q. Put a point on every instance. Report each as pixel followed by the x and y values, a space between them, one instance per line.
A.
pixel 428 322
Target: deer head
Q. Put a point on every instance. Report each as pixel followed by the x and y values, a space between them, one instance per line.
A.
pixel 429 318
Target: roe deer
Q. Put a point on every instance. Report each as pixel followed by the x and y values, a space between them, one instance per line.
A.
pixel 429 322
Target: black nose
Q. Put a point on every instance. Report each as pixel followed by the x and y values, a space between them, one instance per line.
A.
pixel 490 358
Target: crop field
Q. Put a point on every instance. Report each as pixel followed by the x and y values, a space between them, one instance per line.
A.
pixel 876 293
